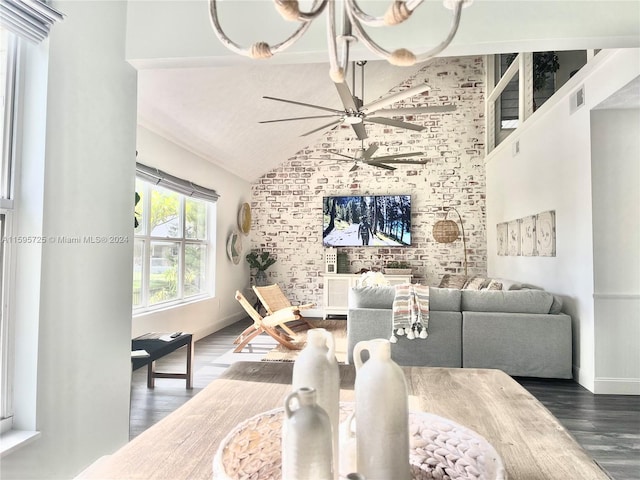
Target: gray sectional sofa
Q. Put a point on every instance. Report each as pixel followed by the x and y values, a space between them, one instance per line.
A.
pixel 521 332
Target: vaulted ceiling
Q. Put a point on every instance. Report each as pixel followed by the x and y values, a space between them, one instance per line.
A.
pixel 209 100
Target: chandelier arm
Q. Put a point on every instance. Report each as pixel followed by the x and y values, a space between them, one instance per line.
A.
pixel 292 14
pixel 258 49
pixel 455 22
pixel 398 12
pixel 338 66
pixel 335 72
pixel 365 39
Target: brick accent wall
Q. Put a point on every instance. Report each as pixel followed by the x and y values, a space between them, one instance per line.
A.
pixel 287 202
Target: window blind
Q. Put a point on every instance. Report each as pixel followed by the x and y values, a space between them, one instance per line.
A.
pixel 29 19
pixel 185 187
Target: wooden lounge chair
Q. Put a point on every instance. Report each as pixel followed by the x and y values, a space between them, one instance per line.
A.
pixel 269 324
pixel 274 300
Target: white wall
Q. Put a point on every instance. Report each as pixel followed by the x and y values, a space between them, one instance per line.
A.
pixel 615 165
pixel 553 172
pixel 205 316
pixel 75 298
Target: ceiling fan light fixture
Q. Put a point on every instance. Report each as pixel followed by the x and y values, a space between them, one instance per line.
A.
pixel 352 120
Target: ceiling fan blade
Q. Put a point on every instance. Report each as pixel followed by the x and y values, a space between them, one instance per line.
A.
pixel 415 110
pixel 296 118
pixel 366 155
pixel 332 159
pixel 380 165
pixel 321 128
pixel 404 162
pixel 305 104
pixel 346 97
pixel 342 155
pixel 396 97
pixel 395 123
pixel 361 132
pixel 398 155
pixel 354 168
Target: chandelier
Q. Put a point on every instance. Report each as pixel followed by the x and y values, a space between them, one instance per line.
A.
pixel 352 30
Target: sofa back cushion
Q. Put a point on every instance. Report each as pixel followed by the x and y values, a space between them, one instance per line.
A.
pixel 372 297
pixel 440 299
pixel 444 299
pixel 507 301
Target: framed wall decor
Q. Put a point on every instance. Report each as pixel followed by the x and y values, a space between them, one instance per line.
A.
pixel 513 242
pixel 234 247
pixel 244 218
pixel 528 236
pixel 502 238
pixel 546 233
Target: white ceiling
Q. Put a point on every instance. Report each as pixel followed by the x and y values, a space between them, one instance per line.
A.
pixel 211 103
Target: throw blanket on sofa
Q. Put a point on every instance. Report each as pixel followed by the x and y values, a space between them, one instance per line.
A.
pixel 410 312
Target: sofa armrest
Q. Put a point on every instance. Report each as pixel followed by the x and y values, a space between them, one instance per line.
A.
pixel 520 344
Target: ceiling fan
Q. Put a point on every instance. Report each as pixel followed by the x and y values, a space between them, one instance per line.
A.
pixel 356 113
pixel 366 157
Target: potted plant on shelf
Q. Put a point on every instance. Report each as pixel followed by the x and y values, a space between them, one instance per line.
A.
pixel 397 268
pixel 260 261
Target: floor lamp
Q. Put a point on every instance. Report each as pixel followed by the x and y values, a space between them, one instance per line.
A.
pixel 447 231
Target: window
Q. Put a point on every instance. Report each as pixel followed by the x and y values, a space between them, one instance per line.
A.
pixel 171 250
pixel 8 63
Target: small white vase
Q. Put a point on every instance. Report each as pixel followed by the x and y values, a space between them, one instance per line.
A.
pixel 382 414
pixel 316 367
pixel 306 438
pixel 348 460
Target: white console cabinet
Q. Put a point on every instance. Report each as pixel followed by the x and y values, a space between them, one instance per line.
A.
pixel 337 286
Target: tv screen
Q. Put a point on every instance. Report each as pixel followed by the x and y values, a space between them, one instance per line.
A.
pixel 373 220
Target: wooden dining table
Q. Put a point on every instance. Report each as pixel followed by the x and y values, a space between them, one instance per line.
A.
pixel 531 442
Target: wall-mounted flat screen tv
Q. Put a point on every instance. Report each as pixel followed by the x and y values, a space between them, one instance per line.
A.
pixel 373 220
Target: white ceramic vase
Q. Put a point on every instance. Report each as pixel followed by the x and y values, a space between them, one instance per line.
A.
pixel 306 438
pixel 316 367
pixel 382 414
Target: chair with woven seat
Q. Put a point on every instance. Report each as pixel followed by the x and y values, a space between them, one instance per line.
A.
pixel 269 324
pixel 273 299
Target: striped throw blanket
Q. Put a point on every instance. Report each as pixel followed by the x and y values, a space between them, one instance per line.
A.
pixel 410 312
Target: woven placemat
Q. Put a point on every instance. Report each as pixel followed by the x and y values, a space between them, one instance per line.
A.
pixel 439 449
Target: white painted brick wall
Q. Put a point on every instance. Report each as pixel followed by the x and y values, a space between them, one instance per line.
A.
pixel 287 202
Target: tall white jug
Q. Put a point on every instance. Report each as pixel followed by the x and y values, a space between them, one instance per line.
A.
pixel 382 413
pixel 316 367
pixel 306 438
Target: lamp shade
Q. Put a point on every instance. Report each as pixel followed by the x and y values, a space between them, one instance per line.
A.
pixel 446 231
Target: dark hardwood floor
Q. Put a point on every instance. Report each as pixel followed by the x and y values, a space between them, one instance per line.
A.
pixel 607 426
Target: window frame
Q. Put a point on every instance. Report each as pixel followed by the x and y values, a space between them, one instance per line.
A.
pixel 144 235
pixel 8 167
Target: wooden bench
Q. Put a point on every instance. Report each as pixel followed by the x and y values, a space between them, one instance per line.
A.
pixel 157 345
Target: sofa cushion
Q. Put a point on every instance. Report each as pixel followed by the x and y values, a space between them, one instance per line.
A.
pixel 444 299
pixel 440 299
pixel 475 282
pixel 453 281
pixel 509 301
pixel 372 297
pixel 556 306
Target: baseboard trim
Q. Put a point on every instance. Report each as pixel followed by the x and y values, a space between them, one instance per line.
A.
pixel 225 322
pixel 617 386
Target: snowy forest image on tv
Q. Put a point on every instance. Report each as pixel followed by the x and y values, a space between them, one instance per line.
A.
pixel 377 221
